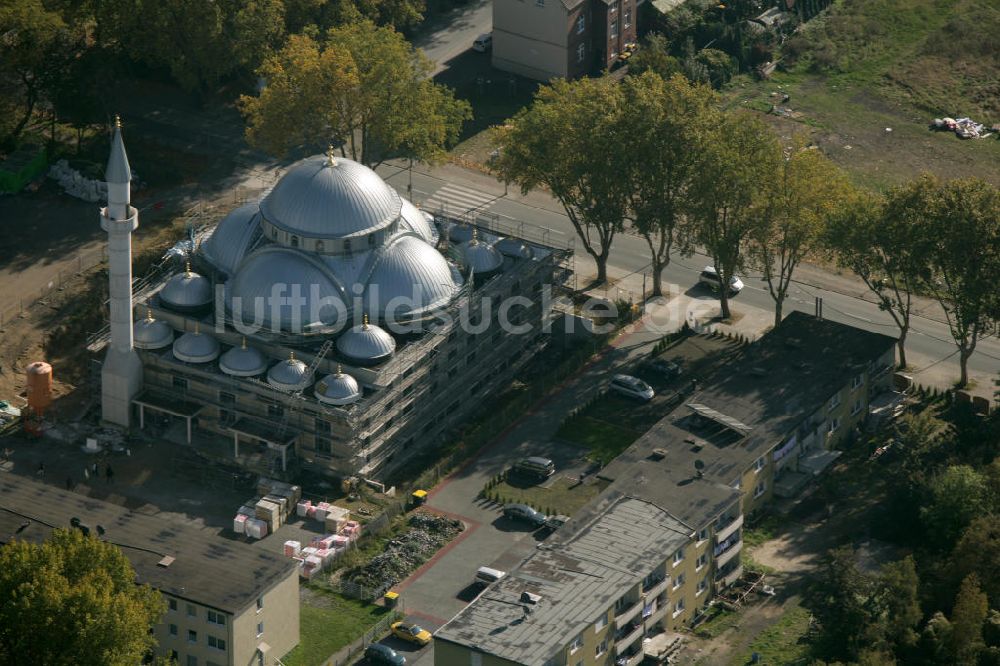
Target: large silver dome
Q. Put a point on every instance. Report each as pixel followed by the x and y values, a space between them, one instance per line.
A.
pixel 149 333
pixel 459 233
pixel 366 344
pixel 243 361
pixel 196 347
pixel 232 238
pixel 412 273
pixel 417 221
pixel 187 291
pixel 338 389
pixel 272 277
pixel 290 375
pixel 327 197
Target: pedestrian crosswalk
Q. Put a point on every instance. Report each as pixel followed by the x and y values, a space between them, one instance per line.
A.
pixel 457 200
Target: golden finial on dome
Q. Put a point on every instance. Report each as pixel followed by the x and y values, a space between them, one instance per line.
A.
pixel 187 267
pixel 118 121
pixel 196 330
pixel 364 322
pixel 243 342
pixel 149 313
pixel 330 161
pixel 475 236
pixel 291 357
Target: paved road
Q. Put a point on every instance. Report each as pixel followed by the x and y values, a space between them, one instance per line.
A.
pixel 452 34
pixel 844 298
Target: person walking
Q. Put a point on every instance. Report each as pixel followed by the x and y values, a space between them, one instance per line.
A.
pixel 108 473
pixel 41 469
pixel 69 483
pixel 93 469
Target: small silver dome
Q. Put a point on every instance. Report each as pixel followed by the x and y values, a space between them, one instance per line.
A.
pixel 338 389
pixel 290 375
pixel 480 256
pixel 232 237
pixel 512 247
pixel 331 197
pixel 187 291
pixel 243 361
pixel 459 233
pixel 366 344
pixel 149 333
pixel 196 347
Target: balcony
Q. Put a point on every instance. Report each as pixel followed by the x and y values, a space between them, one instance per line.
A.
pixel 655 588
pixel 727 578
pixel 724 533
pixel 624 639
pixel 631 659
pixel 727 555
pixel 622 617
pixel 656 616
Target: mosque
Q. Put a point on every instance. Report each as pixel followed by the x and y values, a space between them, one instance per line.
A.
pixel 332 326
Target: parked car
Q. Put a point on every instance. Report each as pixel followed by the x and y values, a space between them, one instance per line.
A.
pixel 555 522
pixel 483 42
pixel 411 633
pixel 535 466
pixel 631 387
pixel 377 653
pixel 663 368
pixel 710 277
pixel 524 513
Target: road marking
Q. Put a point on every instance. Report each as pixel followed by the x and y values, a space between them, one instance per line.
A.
pixel 458 199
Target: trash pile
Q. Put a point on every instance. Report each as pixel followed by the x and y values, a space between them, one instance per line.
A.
pixel 402 555
pixel 964 128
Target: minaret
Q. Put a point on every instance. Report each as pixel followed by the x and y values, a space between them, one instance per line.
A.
pixel 121 375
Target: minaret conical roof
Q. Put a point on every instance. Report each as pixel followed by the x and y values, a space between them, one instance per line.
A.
pixel 118 170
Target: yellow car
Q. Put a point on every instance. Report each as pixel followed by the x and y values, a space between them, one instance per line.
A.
pixel 411 633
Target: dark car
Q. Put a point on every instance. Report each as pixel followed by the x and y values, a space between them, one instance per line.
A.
pixel 524 513
pixel 534 467
pixel 664 369
pixel 376 653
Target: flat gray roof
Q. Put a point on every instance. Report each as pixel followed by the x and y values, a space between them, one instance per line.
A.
pixel 208 569
pixel 577 575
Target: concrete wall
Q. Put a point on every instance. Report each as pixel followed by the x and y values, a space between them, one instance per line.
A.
pixel 530 40
pixel 189 616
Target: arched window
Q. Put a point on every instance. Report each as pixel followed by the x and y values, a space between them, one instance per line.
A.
pixel 294 241
pixel 320 246
pixel 347 246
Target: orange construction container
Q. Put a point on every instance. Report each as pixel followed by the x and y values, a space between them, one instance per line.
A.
pixel 39 387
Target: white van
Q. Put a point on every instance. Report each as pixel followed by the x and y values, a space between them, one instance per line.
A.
pixel 486 575
pixel 483 42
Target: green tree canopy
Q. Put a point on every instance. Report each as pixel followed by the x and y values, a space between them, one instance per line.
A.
pixel 569 141
pixel 73 600
pixel 978 552
pixel 365 87
pixel 654 56
pixel 899 589
pixel 967 618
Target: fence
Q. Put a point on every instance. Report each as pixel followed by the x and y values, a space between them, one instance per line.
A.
pixel 349 653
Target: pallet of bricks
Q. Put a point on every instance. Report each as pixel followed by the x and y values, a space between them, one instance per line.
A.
pixel 340 532
pixel 268 511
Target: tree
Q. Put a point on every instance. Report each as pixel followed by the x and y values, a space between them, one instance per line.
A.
pixel 29 34
pixel 665 123
pixel 801 199
pixel 654 56
pixel 957 496
pixel 965 260
pixel 73 600
pixel 365 88
pixel 199 42
pixel 727 199
pixel 882 241
pixel 899 588
pixel 967 618
pixel 569 141
pixel 978 552
pixel 842 602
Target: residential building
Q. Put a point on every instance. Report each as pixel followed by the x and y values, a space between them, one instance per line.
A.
pixel 228 603
pixel 547 39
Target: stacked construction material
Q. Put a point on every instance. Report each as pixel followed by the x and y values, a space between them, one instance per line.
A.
pixel 336 519
pixel 302 508
pixel 270 513
pixel 292 548
pixel 239 522
pixel 256 528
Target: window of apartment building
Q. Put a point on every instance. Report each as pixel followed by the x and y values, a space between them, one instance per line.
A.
pixel 759 490
pixel 180 383
pixel 858 404
pixel 294 240
pixel 192 636
pixel 274 411
pixel 215 617
pixel 576 644
pixel 260 629
pixel 172 604
pixel 834 401
pixel 217 643
pixel 173 655
pixel 323 444
pixel 192 660
pixel 758 464
pixel 614 28
pixel 322 426
pixel 173 630
pixel 192 611
pixel 581 53
pixel 227 399
pixel 601 622
pixel 678 556
pixel 628 16
pixel 260 604
pixel 701 561
pixel 678 607
pixel 602 647
pixel 678 581
pixel 857 381
pixel 833 424
pixel 702 534
pixel 581 24
pixel 702 586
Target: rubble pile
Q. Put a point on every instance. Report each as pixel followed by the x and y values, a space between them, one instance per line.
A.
pixel 402 555
pixel 964 128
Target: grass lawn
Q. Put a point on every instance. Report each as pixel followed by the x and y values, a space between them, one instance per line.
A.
pixel 603 440
pixel 328 622
pixel 722 621
pixel 781 643
pixel 563 496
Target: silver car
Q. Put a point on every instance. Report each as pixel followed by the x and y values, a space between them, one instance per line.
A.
pixel 710 277
pixel 631 387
